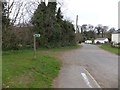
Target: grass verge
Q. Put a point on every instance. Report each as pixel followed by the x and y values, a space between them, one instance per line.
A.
pixel 107 47
pixel 20 70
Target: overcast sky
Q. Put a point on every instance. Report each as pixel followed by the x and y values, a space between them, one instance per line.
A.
pixel 93 12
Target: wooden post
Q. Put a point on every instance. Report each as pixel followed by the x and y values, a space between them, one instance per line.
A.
pixel 34 46
pixel 77 24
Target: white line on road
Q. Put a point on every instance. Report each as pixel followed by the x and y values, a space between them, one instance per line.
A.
pixel 86 79
pixel 92 78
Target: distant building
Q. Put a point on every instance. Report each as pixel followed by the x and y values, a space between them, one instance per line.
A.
pixel 101 40
pixel 88 41
pixel 116 36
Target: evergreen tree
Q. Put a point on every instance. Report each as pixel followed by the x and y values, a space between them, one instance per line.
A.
pixel 55 32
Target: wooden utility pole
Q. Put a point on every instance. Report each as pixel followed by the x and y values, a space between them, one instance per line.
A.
pixel 34 46
pixel 77 24
pixel 77 30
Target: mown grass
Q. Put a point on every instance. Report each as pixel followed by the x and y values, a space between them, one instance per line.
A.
pixel 20 70
pixel 111 49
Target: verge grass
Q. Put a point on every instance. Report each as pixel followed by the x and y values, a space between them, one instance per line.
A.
pixel 111 49
pixel 20 70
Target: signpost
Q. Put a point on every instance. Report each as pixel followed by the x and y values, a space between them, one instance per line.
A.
pixel 35 35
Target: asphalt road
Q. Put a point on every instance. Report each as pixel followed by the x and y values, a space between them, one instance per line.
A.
pixel 88 67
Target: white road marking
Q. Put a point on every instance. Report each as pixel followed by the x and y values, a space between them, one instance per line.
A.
pixel 92 78
pixel 86 79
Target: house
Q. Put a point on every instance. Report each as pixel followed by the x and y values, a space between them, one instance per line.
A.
pixel 88 41
pixel 116 36
pixel 101 40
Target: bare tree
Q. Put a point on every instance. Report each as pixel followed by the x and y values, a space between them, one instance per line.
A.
pixel 20 11
pixel 90 27
pixel 97 29
pixel 104 30
pixel 84 27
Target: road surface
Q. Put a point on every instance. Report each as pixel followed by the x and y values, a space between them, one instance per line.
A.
pixel 88 67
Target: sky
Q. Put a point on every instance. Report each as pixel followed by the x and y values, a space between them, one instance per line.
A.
pixel 93 12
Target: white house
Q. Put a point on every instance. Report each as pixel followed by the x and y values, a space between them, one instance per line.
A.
pixel 101 40
pixel 88 41
pixel 116 36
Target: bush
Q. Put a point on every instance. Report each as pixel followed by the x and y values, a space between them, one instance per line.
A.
pixel 9 41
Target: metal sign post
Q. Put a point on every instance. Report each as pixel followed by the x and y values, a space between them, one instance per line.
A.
pixel 35 35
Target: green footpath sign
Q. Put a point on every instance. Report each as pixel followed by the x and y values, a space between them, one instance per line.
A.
pixel 36 35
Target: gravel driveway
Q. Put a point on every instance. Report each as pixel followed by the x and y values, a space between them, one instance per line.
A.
pixel 88 67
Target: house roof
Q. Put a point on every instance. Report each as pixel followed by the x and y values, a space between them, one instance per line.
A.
pixel 117 31
pixel 100 38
